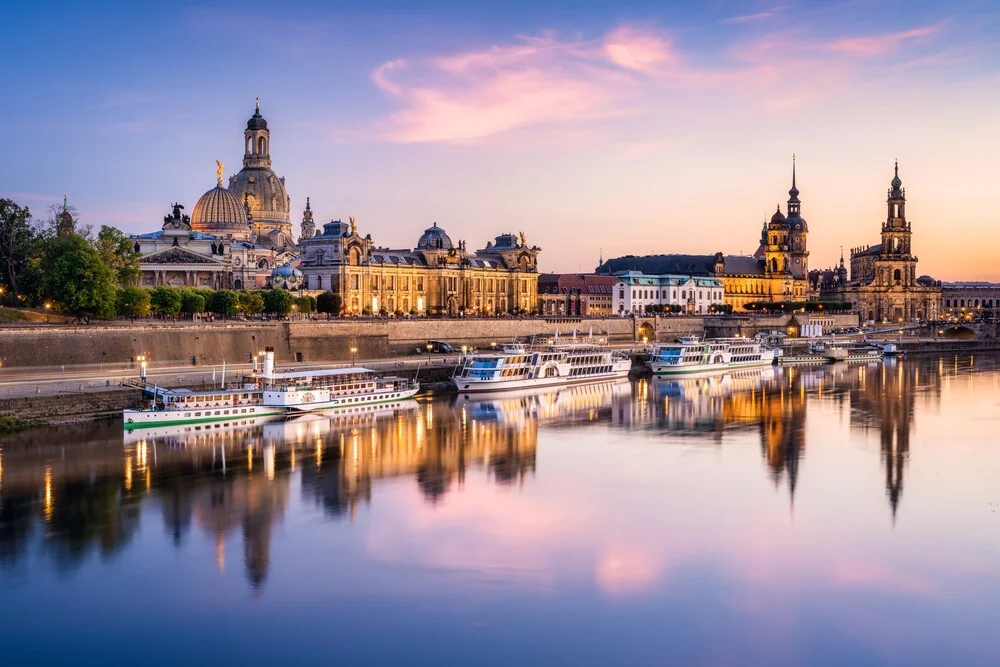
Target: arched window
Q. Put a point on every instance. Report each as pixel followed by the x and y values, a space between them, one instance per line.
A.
pixel 249 145
pixel 896 275
pixel 261 146
pixel 319 282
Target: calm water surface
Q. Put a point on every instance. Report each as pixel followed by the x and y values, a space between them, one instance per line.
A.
pixel 844 515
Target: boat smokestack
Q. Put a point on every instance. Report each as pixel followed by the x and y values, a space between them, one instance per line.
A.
pixel 269 363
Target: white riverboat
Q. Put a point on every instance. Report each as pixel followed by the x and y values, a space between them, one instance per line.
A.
pixel 307 391
pixel 523 366
pixel 693 355
pixel 169 407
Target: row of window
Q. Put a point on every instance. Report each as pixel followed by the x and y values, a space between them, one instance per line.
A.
pixel 662 294
pixel 973 303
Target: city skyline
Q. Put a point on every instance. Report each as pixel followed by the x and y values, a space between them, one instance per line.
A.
pixel 673 128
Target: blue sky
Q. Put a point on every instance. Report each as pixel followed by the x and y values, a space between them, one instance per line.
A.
pixel 628 127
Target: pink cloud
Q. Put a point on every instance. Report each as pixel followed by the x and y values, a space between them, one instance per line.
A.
pixel 878 44
pixel 639 50
pixel 544 80
pixel 539 80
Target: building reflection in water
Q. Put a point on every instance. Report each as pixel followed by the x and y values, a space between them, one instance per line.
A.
pixel 233 481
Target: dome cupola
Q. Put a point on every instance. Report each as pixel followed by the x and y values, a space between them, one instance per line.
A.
pixel 434 238
pixel 220 213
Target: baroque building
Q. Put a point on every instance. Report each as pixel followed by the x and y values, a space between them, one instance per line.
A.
pixel 777 271
pixel 222 245
pixel 883 284
pixel 438 277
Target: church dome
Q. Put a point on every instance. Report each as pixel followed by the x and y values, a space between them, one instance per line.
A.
pixel 219 212
pixel 778 217
pixel 434 238
pixel 264 191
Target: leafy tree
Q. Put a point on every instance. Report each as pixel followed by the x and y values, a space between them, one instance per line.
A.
pixel 166 300
pixel 329 302
pixel 278 301
pixel 16 242
pixel 305 304
pixel 75 277
pixel 223 302
pixel 250 303
pixel 118 252
pixel 193 303
pixel 132 301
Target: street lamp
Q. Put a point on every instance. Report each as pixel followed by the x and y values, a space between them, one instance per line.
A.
pixel 142 367
pixel 354 351
pixel 429 346
pixel 47 306
pixel 465 348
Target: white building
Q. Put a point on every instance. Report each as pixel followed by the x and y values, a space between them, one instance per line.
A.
pixel 637 293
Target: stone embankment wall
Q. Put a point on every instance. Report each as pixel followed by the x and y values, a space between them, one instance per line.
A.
pixel 210 344
pixel 57 407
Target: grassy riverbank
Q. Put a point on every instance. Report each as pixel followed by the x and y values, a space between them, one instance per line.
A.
pixel 9 425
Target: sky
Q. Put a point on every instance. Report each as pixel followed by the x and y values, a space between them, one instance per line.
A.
pixel 595 128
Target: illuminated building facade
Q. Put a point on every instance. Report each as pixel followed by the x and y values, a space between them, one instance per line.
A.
pixel 777 271
pixel 437 277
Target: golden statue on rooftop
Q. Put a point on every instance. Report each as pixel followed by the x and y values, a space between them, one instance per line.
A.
pixel 524 241
pixel 354 226
pixel 218 171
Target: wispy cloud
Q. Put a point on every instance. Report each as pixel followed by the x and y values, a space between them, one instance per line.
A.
pixel 547 80
pixel 538 80
pixel 747 18
pixel 879 44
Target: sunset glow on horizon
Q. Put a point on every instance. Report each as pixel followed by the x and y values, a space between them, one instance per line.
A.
pixel 633 129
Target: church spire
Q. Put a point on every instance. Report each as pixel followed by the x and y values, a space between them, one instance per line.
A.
pixel 793 194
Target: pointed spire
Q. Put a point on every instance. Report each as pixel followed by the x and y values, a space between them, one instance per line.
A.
pixel 65 202
pixel 793 194
pixel 896 182
pixel 308 208
pixel 257 104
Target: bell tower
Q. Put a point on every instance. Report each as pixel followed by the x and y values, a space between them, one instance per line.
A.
pixel 308 228
pixel 257 141
pixel 797 232
pixel 896 266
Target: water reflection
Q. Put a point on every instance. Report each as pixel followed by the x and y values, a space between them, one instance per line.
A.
pixel 72 492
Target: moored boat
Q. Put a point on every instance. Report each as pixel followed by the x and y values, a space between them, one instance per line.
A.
pixel 323 389
pixel 693 355
pixel 169 407
pixel 523 366
pixel 863 353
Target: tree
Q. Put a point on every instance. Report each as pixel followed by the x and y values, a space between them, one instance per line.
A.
pixel 132 301
pixel 75 277
pixel 16 241
pixel 118 252
pixel 278 301
pixel 329 302
pixel 223 302
pixel 305 304
pixel 166 301
pixel 250 303
pixel 193 304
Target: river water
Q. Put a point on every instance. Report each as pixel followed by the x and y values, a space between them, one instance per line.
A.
pixel 842 515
